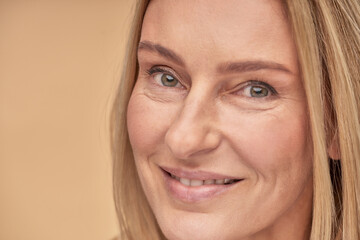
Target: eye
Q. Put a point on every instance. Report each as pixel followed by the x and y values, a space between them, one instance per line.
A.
pixel 166 80
pixel 257 89
pixel 164 77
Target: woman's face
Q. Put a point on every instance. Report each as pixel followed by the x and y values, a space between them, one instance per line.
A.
pixel 218 121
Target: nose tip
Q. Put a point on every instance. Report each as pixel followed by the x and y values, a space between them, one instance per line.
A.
pixel 191 136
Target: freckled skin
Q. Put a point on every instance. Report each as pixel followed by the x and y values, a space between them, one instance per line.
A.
pixel 209 123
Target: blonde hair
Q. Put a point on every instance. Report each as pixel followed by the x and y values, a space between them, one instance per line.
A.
pixel 327 36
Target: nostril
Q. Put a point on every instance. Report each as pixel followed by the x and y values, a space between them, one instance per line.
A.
pixel 184 144
pixel 193 131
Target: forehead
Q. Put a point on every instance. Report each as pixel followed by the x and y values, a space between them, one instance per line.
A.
pixel 232 29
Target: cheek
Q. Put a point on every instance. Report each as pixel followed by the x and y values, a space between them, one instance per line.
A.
pixel 272 143
pixel 147 123
pixel 139 123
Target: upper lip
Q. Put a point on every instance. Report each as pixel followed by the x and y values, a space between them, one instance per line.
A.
pixel 197 174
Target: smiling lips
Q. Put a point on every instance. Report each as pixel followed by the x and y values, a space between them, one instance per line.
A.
pixel 196 186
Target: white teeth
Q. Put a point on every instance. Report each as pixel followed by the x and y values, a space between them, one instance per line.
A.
pixel 209 181
pixel 196 183
pixel 185 181
pixel 219 181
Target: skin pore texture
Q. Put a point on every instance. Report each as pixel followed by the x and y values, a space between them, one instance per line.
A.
pixel 219 96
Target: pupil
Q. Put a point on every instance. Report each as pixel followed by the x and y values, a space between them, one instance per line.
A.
pixel 259 92
pixel 168 80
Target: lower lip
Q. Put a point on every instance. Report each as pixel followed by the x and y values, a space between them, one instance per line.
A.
pixel 194 194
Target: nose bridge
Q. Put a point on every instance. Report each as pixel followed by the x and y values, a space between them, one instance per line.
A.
pixel 193 131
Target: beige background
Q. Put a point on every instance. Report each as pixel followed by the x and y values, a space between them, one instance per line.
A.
pixel 59 61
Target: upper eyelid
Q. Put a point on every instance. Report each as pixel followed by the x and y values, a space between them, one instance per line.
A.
pixel 156 69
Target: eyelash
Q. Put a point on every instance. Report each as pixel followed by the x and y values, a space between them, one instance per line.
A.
pixel 155 70
pixel 250 83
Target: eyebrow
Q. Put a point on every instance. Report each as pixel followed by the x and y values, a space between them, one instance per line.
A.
pixel 163 51
pixel 251 66
pixel 228 67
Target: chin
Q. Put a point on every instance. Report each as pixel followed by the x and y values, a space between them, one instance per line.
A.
pixel 190 230
pixel 194 226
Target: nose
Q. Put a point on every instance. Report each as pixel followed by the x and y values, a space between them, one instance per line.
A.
pixel 194 129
